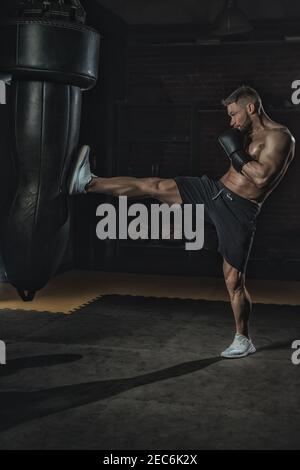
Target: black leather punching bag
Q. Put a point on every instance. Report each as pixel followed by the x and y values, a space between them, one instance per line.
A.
pixel 51 56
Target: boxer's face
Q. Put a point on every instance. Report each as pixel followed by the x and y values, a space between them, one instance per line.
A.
pixel 240 116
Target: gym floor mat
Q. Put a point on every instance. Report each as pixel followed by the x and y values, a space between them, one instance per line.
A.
pixel 72 290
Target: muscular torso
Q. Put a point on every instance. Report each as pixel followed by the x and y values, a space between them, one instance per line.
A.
pixel 242 185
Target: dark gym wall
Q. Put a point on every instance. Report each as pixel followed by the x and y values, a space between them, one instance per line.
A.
pixel 98 128
pixel 173 107
pixel 161 117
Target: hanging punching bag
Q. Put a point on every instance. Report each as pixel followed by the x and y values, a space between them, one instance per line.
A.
pixel 51 57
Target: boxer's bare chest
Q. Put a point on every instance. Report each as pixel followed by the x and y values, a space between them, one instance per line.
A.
pixel 255 144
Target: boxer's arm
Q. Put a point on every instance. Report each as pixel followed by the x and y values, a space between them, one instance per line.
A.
pixel 271 159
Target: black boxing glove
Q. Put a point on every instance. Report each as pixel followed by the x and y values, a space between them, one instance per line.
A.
pixel 232 142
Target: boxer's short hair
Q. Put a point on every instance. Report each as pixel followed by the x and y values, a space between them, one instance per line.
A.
pixel 244 94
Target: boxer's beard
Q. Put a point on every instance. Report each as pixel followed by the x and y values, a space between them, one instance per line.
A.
pixel 247 125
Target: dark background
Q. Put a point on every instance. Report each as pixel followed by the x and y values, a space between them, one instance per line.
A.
pixel 156 112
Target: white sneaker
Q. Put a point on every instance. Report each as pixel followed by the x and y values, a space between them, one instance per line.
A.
pixel 240 347
pixel 80 174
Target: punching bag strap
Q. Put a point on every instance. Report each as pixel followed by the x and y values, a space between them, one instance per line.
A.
pixel 70 10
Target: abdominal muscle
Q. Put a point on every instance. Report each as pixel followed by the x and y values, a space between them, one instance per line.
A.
pixel 241 185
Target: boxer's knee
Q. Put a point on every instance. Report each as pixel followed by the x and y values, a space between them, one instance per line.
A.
pixel 149 186
pixel 154 187
pixel 165 190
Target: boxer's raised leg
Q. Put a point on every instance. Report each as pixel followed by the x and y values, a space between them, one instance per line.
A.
pixel 165 190
pixel 81 180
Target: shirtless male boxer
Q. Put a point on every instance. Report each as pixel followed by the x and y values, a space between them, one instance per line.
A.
pixel 260 151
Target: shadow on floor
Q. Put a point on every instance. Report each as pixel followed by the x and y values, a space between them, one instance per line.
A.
pixel 20 407
pixel 14 365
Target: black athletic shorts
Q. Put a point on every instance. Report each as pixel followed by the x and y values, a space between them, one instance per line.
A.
pixel 233 216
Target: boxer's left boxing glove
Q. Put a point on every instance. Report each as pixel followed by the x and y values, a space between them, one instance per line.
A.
pixel 232 142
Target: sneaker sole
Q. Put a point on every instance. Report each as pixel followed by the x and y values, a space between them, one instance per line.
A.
pixel 76 167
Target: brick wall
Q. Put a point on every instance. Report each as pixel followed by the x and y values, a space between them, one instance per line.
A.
pixel 173 116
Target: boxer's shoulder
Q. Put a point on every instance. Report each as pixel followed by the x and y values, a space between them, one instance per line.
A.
pixel 280 134
pixel 274 134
